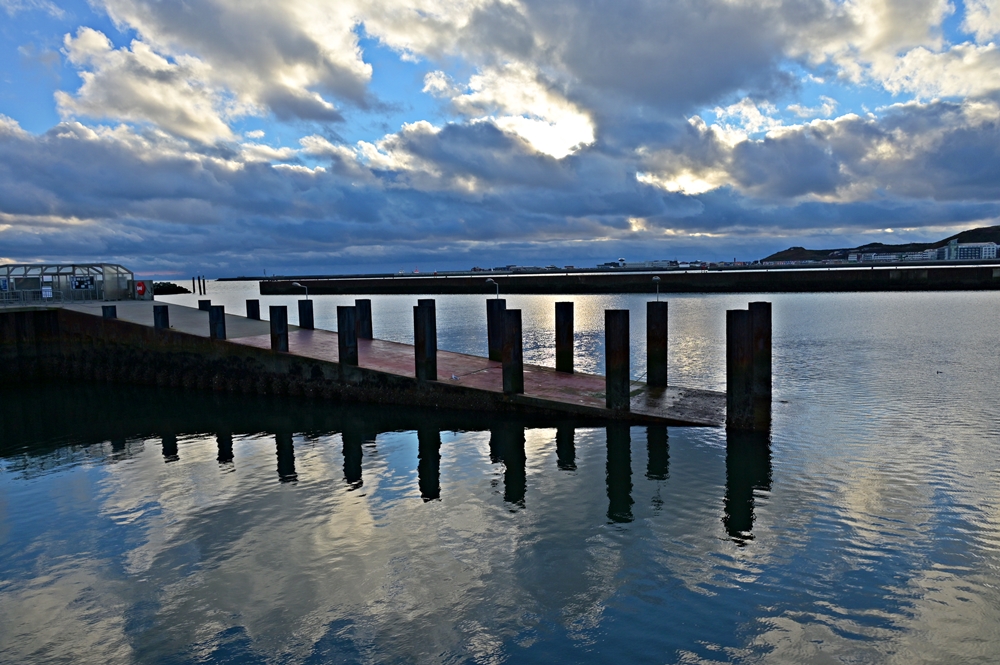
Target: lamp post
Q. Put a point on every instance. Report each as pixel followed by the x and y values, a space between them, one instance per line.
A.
pixel 302 286
pixel 489 280
pixel 656 280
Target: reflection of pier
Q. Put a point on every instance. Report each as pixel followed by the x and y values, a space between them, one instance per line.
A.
pixel 169 418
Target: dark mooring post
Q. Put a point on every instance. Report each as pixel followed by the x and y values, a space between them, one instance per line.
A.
pixel 494 327
pixel 253 310
pixel 564 337
pixel 347 338
pixel 760 330
pixel 193 288
pixel 203 305
pixel 363 324
pixel 217 322
pixel 161 317
pixel 306 314
pixel 425 340
pixel 279 328
pixel 616 359
pixel 512 356
pixel 739 370
pixel 109 311
pixel 656 344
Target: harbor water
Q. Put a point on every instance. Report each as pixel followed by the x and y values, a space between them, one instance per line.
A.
pixel 142 525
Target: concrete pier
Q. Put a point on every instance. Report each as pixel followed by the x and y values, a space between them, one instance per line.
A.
pixel 656 344
pixel 564 337
pixel 495 308
pixel 617 361
pixel 279 328
pixel 74 341
pixel 513 357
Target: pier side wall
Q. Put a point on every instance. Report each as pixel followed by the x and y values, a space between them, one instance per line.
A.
pixel 58 344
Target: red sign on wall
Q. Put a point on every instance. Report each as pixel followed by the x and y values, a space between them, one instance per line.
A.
pixel 140 288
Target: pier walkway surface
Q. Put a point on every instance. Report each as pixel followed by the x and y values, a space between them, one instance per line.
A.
pixel 544 388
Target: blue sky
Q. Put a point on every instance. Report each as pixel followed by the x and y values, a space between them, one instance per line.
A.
pixel 225 136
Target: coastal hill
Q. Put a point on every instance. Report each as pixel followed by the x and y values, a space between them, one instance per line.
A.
pixel 983 234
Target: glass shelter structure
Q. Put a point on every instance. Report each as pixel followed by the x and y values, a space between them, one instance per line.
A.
pixel 44 283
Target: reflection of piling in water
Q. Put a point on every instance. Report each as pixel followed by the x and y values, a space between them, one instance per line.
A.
pixel 658 450
pixel 286 457
pixel 748 468
pixel 619 473
pixel 507 446
pixel 225 442
pixel 170 448
pixel 353 438
pixel 429 463
pixel 565 447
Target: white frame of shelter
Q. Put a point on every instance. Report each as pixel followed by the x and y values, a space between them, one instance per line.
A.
pixel 50 283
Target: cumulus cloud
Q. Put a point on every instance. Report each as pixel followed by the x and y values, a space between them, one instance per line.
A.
pixel 138 85
pixel 982 19
pixel 515 99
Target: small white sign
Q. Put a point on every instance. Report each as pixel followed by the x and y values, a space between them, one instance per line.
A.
pixel 46 291
pixel 3 283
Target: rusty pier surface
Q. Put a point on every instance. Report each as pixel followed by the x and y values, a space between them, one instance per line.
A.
pixel 244 362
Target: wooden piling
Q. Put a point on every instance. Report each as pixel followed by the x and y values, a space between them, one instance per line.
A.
pixel 161 317
pixel 495 308
pixel 425 340
pixel 739 370
pixel 347 339
pixel 109 311
pixel 512 357
pixel 564 337
pixel 217 322
pixel 279 328
pixel 656 344
pixel 193 287
pixel 204 305
pixel 363 324
pixel 760 324
pixel 617 363
pixel 253 310
pixel 306 315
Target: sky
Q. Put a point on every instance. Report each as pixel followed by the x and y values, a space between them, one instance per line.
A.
pixel 238 137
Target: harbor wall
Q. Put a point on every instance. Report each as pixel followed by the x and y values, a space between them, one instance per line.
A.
pixel 63 345
pixel 945 278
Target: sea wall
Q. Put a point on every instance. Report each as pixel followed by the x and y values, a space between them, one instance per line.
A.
pixel 63 345
pixel 951 278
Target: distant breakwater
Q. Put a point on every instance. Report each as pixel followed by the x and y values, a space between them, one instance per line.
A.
pixel 814 280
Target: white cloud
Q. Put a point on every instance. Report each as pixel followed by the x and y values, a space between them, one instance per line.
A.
pixel 517 101
pixel 982 19
pixel 826 108
pixel 138 85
